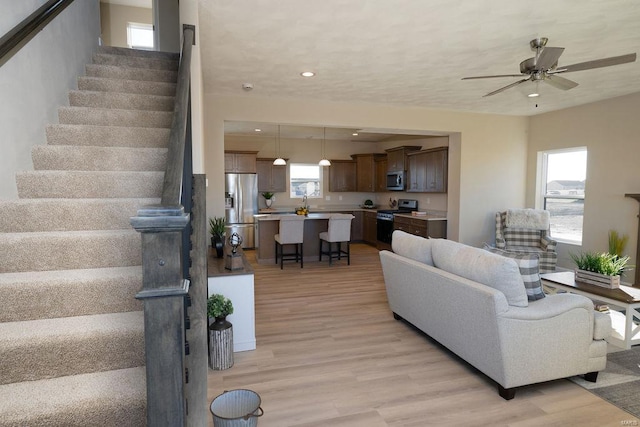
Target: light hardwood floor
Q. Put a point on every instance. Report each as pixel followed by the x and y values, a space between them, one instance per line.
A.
pixel 329 353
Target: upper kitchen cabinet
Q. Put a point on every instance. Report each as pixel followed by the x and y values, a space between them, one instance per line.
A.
pixel 240 161
pixel 397 157
pixel 342 176
pixel 381 174
pixel 366 171
pixel 427 171
pixel 271 178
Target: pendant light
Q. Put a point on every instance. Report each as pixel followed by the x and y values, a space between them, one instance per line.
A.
pixel 324 161
pixel 279 161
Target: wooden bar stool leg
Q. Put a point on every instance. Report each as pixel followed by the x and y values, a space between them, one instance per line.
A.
pixel 301 255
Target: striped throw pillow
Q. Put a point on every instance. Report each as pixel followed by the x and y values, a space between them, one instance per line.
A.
pixel 529 270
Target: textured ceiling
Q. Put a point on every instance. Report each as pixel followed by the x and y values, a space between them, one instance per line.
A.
pixel 414 52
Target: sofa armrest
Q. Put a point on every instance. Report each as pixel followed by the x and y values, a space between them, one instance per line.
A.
pixel 602 326
pixel 550 306
pixel 547 244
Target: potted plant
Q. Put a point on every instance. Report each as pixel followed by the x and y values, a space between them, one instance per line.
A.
pixel 220 332
pixel 219 307
pixel 600 268
pixel 268 198
pixel 216 228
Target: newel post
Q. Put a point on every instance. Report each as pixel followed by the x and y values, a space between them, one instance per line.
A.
pixel 163 292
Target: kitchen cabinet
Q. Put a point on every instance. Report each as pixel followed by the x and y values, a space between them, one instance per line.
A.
pixel 240 161
pixel 381 174
pixel 356 226
pixel 271 178
pixel 427 171
pixel 342 176
pixel 396 157
pixel 421 227
pixel 369 228
pixel 366 171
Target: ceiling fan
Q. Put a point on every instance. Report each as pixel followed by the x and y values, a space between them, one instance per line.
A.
pixel 544 67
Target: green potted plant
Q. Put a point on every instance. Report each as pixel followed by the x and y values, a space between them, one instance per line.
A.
pixel 268 198
pixel 600 268
pixel 220 332
pixel 219 307
pixel 216 229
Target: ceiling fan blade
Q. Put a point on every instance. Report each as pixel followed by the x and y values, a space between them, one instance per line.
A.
pixel 548 57
pixel 507 87
pixel 560 82
pixel 491 77
pixel 598 63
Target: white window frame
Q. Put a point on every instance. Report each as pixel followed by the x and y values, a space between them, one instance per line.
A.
pixel 543 194
pixel 138 26
pixel 320 181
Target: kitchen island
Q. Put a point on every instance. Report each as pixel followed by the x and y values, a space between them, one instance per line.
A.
pixel 268 226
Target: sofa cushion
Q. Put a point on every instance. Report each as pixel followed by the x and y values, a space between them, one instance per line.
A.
pixel 481 266
pixel 410 246
pixel 529 270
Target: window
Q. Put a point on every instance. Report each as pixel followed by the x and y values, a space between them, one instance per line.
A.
pixel 305 179
pixel 140 36
pixel 563 183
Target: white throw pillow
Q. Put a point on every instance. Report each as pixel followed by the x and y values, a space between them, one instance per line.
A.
pixel 481 266
pixel 414 247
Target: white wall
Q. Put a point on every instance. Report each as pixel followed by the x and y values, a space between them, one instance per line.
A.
pixel 483 150
pixel 609 129
pixel 37 79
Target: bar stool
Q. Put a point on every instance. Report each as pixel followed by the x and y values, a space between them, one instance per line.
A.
pixel 339 232
pixel 291 232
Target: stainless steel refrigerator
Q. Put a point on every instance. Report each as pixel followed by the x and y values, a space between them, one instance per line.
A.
pixel 241 204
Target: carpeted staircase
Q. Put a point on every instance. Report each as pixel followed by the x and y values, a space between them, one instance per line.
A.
pixel 71 331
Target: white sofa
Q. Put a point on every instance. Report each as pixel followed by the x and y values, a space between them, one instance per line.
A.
pixel 435 285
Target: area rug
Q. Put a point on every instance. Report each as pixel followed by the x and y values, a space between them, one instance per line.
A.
pixel 619 383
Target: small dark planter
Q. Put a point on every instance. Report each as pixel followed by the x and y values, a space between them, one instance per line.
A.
pixel 217 242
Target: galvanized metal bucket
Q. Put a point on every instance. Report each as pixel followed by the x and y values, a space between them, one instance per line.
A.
pixel 236 408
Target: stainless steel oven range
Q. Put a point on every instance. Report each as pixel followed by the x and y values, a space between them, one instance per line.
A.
pixel 384 219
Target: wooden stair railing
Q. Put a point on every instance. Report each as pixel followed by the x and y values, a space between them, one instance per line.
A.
pixel 174 283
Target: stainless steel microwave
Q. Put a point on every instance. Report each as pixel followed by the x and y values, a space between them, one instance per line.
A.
pixel 395 181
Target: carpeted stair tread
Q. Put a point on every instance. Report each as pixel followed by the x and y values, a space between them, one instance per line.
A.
pixel 117 100
pixel 112 398
pixel 134 62
pixel 100 84
pixel 70 157
pixel 128 73
pixel 114 117
pixel 48 348
pixel 112 50
pixel 64 293
pixel 89 184
pixel 33 215
pixel 107 136
pixel 66 250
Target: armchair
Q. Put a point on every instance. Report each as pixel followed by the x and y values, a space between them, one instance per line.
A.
pixel 526 231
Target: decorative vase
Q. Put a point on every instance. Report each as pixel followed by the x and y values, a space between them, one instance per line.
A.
pixel 268 202
pixel 220 344
pixel 217 242
pixel 609 282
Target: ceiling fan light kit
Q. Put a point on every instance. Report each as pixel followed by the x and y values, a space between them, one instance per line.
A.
pixel 544 68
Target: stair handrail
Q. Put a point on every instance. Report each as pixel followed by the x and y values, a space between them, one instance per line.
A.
pixel 18 36
pixel 174 276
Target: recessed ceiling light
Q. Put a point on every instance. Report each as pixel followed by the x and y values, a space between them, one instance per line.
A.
pixel 307 74
pixel 533 95
pixel 258 130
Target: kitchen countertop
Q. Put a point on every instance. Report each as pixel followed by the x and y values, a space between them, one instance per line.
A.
pixel 427 217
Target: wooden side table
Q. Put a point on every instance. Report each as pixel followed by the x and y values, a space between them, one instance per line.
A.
pixel 626 298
